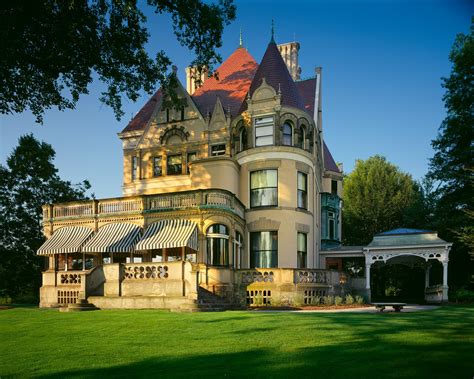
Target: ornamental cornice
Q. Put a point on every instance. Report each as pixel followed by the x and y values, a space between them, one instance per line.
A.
pixel 440 254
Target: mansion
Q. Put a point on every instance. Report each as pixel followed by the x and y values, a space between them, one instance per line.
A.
pixel 233 199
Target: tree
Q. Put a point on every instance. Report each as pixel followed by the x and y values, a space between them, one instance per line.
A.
pixel 376 198
pixel 51 47
pixel 452 164
pixel 29 180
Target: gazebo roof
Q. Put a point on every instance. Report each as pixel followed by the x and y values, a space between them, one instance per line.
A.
pixel 406 237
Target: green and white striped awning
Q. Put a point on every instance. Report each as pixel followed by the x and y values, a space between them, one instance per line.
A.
pixel 169 234
pixel 68 239
pixel 114 238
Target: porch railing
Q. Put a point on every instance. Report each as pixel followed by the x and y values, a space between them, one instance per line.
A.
pixel 212 198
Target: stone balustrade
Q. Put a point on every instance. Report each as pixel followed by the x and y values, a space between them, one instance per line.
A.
pixel 212 198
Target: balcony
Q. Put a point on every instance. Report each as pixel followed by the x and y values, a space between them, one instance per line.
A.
pixel 200 199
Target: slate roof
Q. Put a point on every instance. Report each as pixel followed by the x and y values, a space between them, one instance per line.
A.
pixel 274 70
pixel 329 163
pixel 307 91
pixel 143 116
pixel 235 76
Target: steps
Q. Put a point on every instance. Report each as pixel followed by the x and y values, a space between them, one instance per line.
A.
pixel 81 306
pixel 208 302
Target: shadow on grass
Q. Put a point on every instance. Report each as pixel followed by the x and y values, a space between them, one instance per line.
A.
pixel 433 344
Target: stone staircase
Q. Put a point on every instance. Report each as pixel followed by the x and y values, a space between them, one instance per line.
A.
pixel 208 302
pixel 81 306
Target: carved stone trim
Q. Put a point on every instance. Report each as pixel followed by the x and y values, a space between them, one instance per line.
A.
pixel 302 227
pixel 263 224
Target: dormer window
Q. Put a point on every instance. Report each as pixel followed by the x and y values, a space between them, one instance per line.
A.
pixel 264 131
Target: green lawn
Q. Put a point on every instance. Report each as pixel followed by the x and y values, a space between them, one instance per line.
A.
pixel 431 344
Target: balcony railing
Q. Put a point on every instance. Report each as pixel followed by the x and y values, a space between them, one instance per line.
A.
pixel 213 198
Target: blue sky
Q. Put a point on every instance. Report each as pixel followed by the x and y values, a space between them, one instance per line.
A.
pixel 382 66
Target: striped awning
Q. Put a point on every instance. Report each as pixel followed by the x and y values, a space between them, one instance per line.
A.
pixel 169 234
pixel 114 238
pixel 68 239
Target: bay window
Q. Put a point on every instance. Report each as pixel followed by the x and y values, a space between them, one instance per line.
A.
pixel 302 190
pixel 218 245
pixel 264 249
pixel 264 188
pixel 302 250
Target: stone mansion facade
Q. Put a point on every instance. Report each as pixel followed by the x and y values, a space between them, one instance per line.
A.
pixel 232 199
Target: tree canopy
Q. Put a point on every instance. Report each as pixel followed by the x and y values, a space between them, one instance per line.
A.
pixel 28 181
pixel 452 164
pixel 377 196
pixel 52 49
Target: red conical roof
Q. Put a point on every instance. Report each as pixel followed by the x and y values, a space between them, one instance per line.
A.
pixel 276 74
pixel 232 85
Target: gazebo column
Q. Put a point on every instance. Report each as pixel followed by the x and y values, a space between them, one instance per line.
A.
pixel 427 275
pixel 445 280
pixel 367 281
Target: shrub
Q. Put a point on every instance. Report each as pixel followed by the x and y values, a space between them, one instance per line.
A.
pixel 463 295
pixel 349 299
pixel 5 300
pixel 338 300
pixel 359 299
pixel 298 300
pixel 328 300
pixel 316 300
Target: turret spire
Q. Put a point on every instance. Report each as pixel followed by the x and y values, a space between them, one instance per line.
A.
pixel 241 41
pixel 273 32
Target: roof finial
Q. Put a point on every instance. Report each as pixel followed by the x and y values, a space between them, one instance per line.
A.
pixel 273 32
pixel 241 41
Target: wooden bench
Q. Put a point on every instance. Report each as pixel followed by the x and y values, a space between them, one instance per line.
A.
pixel 396 306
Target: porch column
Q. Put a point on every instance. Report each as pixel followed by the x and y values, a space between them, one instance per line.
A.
pixel 427 276
pixel 367 276
pixel 445 280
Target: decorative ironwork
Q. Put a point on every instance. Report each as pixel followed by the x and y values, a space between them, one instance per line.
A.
pixel 306 276
pixel 70 278
pixel 426 254
pixel 146 272
pixel 257 276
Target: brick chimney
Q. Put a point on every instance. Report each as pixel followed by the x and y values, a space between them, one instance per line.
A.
pixel 191 75
pixel 289 52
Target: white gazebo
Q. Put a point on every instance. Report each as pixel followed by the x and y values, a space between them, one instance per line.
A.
pixel 403 242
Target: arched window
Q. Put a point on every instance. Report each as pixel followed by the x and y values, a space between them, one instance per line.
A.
pixel 287 135
pixel 243 140
pixel 299 137
pixel 218 245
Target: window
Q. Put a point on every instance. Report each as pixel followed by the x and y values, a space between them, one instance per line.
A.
pixel 167 115
pixel 287 138
pixel 299 137
pixel 218 245
pixel 264 131
pixel 331 225
pixel 302 242
pixel 243 139
pixel 182 113
pixel 264 188
pixel 157 169
pixel 238 243
pixel 134 167
pixel 302 190
pixel 190 158
pixel 264 249
pixel 174 165
pixel 217 150
pixel 334 186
